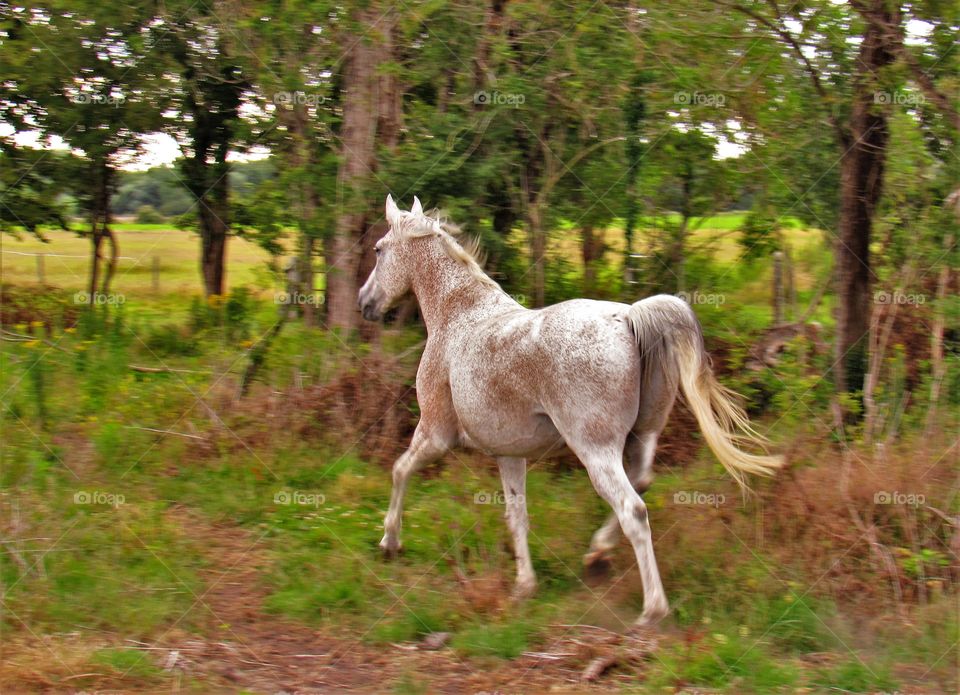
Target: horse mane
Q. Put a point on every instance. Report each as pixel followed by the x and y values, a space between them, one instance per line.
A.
pixel 467 252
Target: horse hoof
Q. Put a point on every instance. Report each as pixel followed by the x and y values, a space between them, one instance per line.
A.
pixel 649 620
pixel 391 550
pixel 597 565
pixel 521 592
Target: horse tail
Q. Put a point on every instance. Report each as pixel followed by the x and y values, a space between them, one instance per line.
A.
pixel 669 337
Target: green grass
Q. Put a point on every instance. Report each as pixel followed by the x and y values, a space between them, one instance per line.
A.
pixel 855 676
pixel 505 640
pixel 727 662
pixel 66 262
pixel 130 663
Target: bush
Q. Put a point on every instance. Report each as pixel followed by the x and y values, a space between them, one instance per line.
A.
pixel 231 312
pixel 170 339
pixel 147 214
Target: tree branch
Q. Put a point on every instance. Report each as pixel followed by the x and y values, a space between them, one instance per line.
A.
pixel 791 41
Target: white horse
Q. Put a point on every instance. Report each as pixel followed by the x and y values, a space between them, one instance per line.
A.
pixel 597 378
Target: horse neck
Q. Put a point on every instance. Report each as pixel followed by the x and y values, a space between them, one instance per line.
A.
pixel 447 290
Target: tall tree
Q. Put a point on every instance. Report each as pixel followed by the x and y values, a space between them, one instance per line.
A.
pixel 869 38
pixel 82 72
pixel 543 112
pixel 205 119
pixel 293 54
pixel 357 142
pixel 681 176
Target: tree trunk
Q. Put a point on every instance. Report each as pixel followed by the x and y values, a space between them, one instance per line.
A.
pixel 389 98
pixel 365 266
pixel 212 252
pixel 387 135
pixel 111 268
pixel 95 239
pixel 212 94
pixel 358 138
pixel 678 255
pixel 300 157
pixel 214 213
pixel 592 252
pixel 492 26
pixel 306 281
pixel 99 217
pixel 538 249
pixel 861 182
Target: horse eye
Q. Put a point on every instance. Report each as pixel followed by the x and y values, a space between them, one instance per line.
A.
pixel 376 249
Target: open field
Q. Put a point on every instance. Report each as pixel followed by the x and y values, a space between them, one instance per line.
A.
pixel 66 260
pixel 66 255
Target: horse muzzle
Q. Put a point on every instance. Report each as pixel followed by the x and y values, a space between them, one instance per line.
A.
pixel 370 313
pixel 370 303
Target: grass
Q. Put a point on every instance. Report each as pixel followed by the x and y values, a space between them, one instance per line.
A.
pixel 66 263
pixel 127 662
pixel 66 255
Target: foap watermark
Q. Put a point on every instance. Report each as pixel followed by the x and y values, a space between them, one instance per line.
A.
pixel 695 497
pixel 699 99
pixel 498 497
pixel 99 497
pixel 697 297
pixel 908 499
pixel 899 298
pixel 299 98
pixel 99 299
pixel 484 98
pixel 298 298
pixel 899 98
pixel 114 100
pixel 298 498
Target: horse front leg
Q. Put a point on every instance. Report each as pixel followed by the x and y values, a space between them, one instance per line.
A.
pixel 423 449
pixel 513 474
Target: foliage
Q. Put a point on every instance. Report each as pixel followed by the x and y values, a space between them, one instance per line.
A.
pixel 147 214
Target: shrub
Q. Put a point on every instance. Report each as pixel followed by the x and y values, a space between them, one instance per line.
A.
pixel 170 339
pixel 147 214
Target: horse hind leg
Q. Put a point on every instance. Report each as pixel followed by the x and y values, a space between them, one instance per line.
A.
pixel 639 457
pixel 612 484
pixel 513 474
pixel 656 401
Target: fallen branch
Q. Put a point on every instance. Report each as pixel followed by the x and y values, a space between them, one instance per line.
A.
pixel 158 431
pixel 12 337
pixel 258 354
pixel 166 370
pixel 599 666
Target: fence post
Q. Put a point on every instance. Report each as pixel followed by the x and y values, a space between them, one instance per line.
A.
pixel 777 288
pixel 790 291
pixel 41 270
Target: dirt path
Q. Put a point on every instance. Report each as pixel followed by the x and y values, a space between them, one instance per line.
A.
pixel 264 653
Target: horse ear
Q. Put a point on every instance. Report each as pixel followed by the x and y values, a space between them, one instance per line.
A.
pixel 417 208
pixel 393 212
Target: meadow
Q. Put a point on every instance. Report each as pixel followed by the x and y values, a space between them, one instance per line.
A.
pixel 163 532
